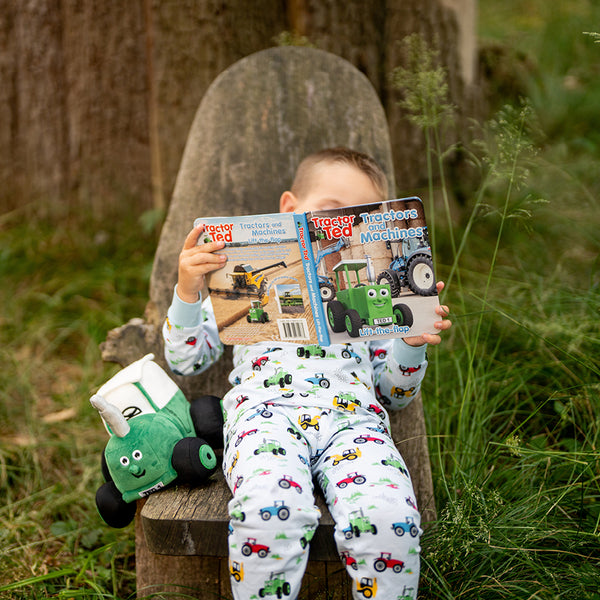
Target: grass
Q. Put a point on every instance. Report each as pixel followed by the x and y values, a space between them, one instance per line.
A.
pixel 66 282
pixel 512 395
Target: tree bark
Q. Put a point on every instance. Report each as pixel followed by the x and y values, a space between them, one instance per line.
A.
pixel 97 97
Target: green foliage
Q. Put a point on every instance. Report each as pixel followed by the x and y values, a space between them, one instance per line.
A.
pixel 66 282
pixel 424 83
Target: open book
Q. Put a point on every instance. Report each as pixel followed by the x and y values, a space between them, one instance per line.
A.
pixel 324 277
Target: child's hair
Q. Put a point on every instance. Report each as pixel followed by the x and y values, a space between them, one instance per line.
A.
pixel 359 160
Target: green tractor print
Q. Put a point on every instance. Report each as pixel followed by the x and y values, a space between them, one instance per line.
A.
pixel 312 350
pixel 280 378
pixel 276 585
pixel 359 523
pixel 363 304
pixel 154 438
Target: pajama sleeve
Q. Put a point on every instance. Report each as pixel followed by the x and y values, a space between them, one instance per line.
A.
pixel 399 370
pixel 191 337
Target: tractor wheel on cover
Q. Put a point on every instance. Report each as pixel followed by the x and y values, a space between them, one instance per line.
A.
pixel 420 277
pixel 390 277
pixel 115 512
pixel 335 316
pixel 403 315
pixel 327 291
pixel 353 322
pixel 194 460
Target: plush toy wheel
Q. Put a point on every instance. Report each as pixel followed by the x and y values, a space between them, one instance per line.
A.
pixel 207 418
pixel 104 465
pixel 194 460
pixel 115 512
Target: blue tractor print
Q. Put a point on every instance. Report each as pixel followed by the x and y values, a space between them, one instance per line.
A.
pixel 319 379
pixel 278 509
pixel 408 526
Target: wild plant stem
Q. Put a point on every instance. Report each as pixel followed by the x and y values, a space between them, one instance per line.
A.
pixel 473 352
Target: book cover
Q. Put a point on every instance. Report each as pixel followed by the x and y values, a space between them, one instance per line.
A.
pixel 261 293
pixel 323 277
pixel 375 270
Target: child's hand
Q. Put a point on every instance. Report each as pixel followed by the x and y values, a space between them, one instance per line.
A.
pixel 433 338
pixel 194 262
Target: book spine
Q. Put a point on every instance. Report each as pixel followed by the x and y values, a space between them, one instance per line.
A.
pixel 312 282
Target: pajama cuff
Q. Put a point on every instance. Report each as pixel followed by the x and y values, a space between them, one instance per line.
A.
pixel 185 314
pixel 410 356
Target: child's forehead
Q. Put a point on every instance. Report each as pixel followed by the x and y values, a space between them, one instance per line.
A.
pixel 330 174
pixel 344 183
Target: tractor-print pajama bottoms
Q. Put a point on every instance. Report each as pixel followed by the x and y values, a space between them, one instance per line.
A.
pixel 270 459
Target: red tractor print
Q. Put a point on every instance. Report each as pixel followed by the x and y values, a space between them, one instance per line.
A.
pixel 406 371
pixel 259 362
pixel 386 561
pixel 250 546
pixel 380 353
pixel 242 435
pixel 349 561
pixel 287 482
pixel 351 478
pixel 363 439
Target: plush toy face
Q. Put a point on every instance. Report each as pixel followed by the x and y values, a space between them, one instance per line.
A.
pixel 140 462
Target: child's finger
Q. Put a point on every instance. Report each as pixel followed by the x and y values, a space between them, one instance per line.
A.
pixel 199 258
pixel 443 325
pixel 442 310
pixel 192 237
pixel 210 247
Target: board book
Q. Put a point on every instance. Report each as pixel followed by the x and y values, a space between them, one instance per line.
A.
pixel 323 277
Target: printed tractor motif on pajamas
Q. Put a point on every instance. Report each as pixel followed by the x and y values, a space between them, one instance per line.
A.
pixel 297 416
pixel 273 517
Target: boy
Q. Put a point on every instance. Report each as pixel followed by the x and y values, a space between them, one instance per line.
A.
pixel 277 443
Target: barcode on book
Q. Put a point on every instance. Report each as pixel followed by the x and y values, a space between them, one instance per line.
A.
pixel 293 329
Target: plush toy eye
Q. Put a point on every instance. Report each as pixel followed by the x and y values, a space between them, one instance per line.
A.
pixel 124 461
pixel 383 292
pixel 372 293
pixel 137 455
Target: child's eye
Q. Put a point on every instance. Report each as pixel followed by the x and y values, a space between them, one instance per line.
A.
pixel 372 293
pixel 124 461
pixel 137 455
pixel 383 292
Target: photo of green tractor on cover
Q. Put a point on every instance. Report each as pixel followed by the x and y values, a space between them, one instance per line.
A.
pixel 363 303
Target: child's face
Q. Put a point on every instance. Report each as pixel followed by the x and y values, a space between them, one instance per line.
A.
pixel 333 186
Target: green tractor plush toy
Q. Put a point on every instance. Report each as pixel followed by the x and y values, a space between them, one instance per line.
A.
pixel 157 437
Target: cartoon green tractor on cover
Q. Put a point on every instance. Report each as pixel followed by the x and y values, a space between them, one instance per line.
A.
pixel 257 314
pixel 156 438
pixel 363 304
